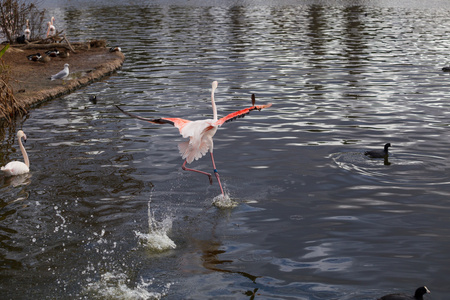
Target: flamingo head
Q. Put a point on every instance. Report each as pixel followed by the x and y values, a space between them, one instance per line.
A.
pixel 21 134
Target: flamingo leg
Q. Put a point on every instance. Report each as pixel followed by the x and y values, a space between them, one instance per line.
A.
pixel 201 172
pixel 216 173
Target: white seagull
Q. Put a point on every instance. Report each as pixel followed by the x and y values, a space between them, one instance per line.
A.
pixel 62 74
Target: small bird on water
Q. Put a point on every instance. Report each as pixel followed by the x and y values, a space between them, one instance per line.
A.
pixel 379 153
pixel 418 295
pixel 115 49
pixel 93 99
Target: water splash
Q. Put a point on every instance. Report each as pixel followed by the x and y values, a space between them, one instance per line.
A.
pixel 224 201
pixel 157 238
pixel 116 286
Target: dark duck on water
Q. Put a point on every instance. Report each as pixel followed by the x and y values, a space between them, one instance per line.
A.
pixel 418 295
pixel 379 153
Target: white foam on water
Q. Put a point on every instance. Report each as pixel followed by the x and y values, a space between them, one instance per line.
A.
pixel 224 201
pixel 157 239
pixel 116 286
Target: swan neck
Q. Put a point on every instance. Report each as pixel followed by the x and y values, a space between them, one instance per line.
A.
pixel 24 153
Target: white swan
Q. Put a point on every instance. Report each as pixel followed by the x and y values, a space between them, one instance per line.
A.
pixel 18 167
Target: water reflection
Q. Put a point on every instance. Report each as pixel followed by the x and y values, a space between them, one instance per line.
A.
pixel 18 180
pixel 211 261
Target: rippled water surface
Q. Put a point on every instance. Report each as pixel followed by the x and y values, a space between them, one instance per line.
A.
pixel 107 212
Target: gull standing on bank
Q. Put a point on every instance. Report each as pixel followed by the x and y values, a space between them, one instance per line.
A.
pixel 62 74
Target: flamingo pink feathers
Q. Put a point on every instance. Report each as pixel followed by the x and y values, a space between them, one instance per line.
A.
pixel 200 133
pixel 51 30
pixel 27 31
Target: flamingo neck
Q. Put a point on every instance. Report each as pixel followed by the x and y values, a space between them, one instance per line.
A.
pixel 214 108
pixel 24 153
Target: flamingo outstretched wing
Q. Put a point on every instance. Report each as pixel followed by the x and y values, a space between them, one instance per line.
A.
pixel 241 113
pixel 177 122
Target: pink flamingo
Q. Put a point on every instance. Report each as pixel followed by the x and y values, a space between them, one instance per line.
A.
pixel 27 31
pixel 200 133
pixel 51 31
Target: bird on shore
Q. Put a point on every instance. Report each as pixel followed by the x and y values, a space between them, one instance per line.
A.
pixel 379 153
pixel 418 295
pixel 17 167
pixel 115 49
pixel 52 53
pixel 27 31
pixel 200 133
pixel 63 54
pixel 20 39
pixel 44 59
pixel 62 74
pixel 34 57
pixel 51 30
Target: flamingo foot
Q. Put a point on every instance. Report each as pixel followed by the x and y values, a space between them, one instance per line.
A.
pixel 210 179
pixel 223 201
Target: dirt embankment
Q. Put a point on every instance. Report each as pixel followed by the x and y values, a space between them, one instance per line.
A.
pixel 30 80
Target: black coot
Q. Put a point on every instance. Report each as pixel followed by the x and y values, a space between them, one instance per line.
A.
pixel 417 296
pixel 93 99
pixel 379 153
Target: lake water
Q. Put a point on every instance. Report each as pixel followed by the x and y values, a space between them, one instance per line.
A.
pixel 107 212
